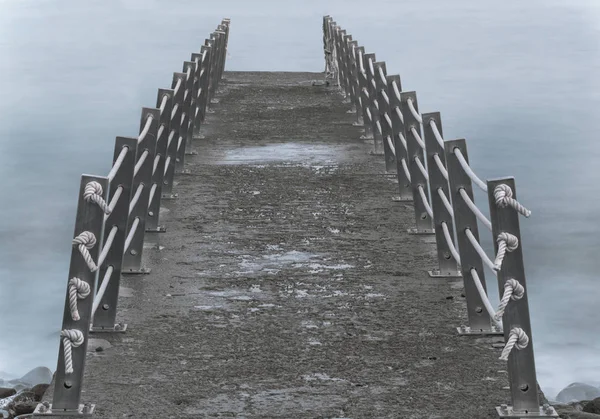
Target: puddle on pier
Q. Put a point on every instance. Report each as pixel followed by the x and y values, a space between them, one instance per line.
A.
pixel 284 152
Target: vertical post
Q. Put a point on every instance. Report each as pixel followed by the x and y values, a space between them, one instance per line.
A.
pixel 363 92
pixel 140 194
pixel 197 115
pixel 180 118
pixel 373 104
pixel 338 35
pixel 164 102
pixel 399 139
pixel 326 46
pixel 226 23
pixel 203 99
pixel 190 105
pixel 345 55
pixel 354 83
pixel 211 44
pixel 521 363
pixel 385 122
pixel 67 388
pixel 464 219
pixel 174 135
pixel 416 165
pixel 220 36
pixel 438 182
pixel 105 316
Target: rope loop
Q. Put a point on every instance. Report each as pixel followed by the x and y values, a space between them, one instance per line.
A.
pixel 503 195
pixel 506 243
pixel 517 339
pixel 72 338
pixel 93 193
pixel 78 289
pixel 513 290
pixel 85 241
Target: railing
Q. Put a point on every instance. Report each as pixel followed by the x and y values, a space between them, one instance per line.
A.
pixel 436 176
pixel 118 212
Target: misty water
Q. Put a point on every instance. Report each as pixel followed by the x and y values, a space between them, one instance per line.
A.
pixel 519 80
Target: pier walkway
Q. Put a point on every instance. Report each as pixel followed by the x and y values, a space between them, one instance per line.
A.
pixel 286 284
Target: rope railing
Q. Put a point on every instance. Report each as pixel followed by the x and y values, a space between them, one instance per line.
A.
pixel 426 161
pixel 134 182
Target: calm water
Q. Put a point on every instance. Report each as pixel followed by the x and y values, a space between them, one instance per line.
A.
pixel 518 80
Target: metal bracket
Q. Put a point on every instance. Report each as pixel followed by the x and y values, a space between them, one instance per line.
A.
pixel 84 410
pixel 420 232
pixel 401 199
pixel 435 273
pixel 545 411
pixel 466 330
pixel 141 271
pixel 117 328
pixel 171 196
pixel 159 229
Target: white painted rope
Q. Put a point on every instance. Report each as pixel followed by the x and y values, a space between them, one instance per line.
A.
pixel 440 165
pixel 391 145
pixel 117 164
pixel 388 120
pixel 422 168
pixel 136 197
pixel 371 69
pixel 373 83
pixel 72 338
pixel 93 193
pixel 132 231
pixel 152 192
pixel 468 170
pixel 378 125
pixel 179 141
pixel 446 202
pixel 167 163
pixel 403 140
pixel 479 250
pixel 163 104
pixel 155 165
pixel 385 97
pixel 140 162
pixel 368 112
pixel 113 201
pixel 396 91
pixel 381 75
pixel 414 112
pixel 78 289
pixel 424 200
pixel 146 129
pixel 85 241
pixel 399 113
pixel 517 339
pixel 107 245
pixel 503 195
pixel 174 111
pixel 506 243
pixel 102 289
pixel 177 86
pixel 475 209
pixel 513 290
pixel 406 171
pixel 436 133
pixel 449 242
pixel 417 137
pixel 484 298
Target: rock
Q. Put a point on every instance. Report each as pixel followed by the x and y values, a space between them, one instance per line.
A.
pixel 593 406
pixel 4 414
pixel 24 407
pixel 573 411
pixel 7 392
pixel 577 392
pixel 24 396
pixel 39 390
pixel 38 375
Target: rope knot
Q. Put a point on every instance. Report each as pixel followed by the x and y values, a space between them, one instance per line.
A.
pixel 506 243
pixel 72 338
pixel 513 290
pixel 87 239
pixel 78 289
pixel 517 339
pixel 93 193
pixel 503 195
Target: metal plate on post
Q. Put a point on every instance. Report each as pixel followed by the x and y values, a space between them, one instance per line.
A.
pixel 83 410
pixel 542 412
pixel 105 317
pixel 492 331
pixel 405 190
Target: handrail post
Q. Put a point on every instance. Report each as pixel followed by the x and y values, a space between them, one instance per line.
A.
pixel 373 104
pixel 190 105
pixel 213 52
pixel 415 154
pixel 346 39
pixel 361 76
pixel 338 35
pixel 198 86
pixel 75 325
pixel 104 318
pixel 142 182
pixel 158 171
pixel 206 51
pixel 226 22
pixel 480 322
pixel 181 119
pixel 220 36
pixel 327 45
pixel 521 362
pixel 384 110
pixel 447 265
pixel 354 83
pixel 402 169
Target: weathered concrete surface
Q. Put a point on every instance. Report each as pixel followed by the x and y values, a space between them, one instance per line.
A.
pixel 288 286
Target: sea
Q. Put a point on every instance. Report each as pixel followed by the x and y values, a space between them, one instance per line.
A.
pixel 519 80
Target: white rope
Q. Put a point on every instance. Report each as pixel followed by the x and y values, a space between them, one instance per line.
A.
pixel 440 166
pixel 484 298
pixel 185 94
pixel 406 171
pixel 366 92
pixel 417 137
pixel 371 69
pixel 503 195
pixel 385 97
pixel 72 338
pixel 171 135
pixel 163 104
pixel 450 243
pixel 183 115
pixel 140 162
pixel 399 113
pixel 179 141
pixel 378 125
pixel 107 245
pixel 129 238
pixel 373 83
pixel 102 289
pixel 167 163
pixel 388 120
pixel 85 241
pixel 468 170
pixel 414 112
pixel 396 91
pixel 381 75
pixel 146 129
pixel 188 73
pixel 360 61
pixel 506 242
pixel 421 168
pixel 156 161
pixel 391 145
pixel 113 201
pixel 517 339
pixel 177 86
pixel 484 258
pixel 474 208
pixel 368 112
pixel 376 103
pixel 136 197
pixel 446 202
pixel 117 164
pixel 436 133
pixel 78 289
pixel 93 193
pixel 174 111
pixel 152 192
pixel 161 131
pixel 196 113
pixel 403 141
pixel 513 290
pixel 424 200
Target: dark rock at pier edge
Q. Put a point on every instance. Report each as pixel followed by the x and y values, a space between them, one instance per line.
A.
pixel 577 392
pixel 39 390
pixel 593 406
pixel 7 392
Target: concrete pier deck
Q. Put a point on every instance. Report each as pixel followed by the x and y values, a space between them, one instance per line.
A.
pixel 288 286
